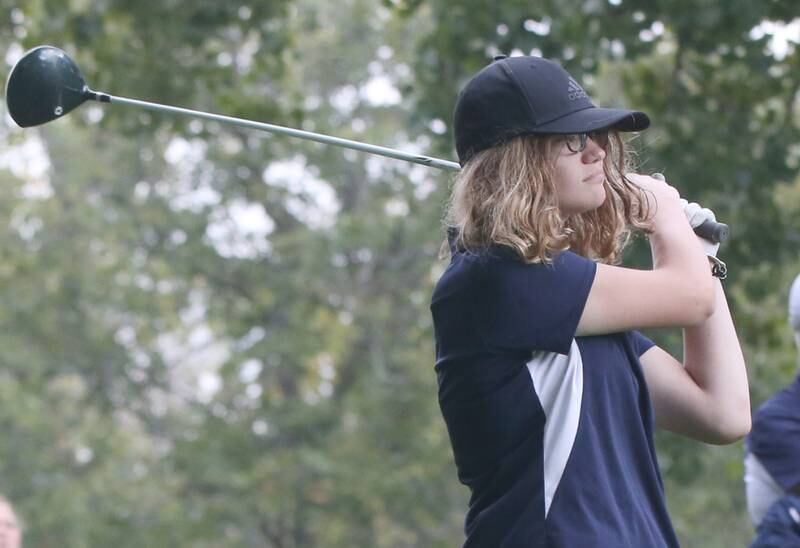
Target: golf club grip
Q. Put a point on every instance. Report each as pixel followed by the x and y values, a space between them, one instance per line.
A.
pixel 713 231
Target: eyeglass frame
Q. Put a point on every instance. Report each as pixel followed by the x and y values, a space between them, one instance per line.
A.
pixel 599 137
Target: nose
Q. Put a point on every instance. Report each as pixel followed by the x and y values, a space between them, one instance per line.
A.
pixel 593 152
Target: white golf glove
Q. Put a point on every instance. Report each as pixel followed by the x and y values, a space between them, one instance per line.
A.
pixel 697 215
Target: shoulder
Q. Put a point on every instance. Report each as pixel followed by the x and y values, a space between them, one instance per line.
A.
pixel 501 261
pixel 498 274
pixel 503 274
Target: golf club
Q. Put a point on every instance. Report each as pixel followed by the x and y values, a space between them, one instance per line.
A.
pixel 46 84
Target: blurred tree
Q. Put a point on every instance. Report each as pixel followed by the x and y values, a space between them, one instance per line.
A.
pixel 213 337
pixel 252 311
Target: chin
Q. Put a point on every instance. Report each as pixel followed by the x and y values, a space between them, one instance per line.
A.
pixel 601 198
pixel 592 204
pixel 585 202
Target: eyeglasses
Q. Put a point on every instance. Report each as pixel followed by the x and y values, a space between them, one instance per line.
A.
pixel 576 142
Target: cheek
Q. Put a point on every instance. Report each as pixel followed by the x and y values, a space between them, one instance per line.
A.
pixel 561 178
pixel 565 179
pixel 567 170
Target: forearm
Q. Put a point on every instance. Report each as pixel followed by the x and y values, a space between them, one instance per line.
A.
pixel 713 359
pixel 680 267
pixel 674 245
pixel 679 258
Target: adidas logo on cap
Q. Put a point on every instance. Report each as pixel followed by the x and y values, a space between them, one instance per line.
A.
pixel 575 90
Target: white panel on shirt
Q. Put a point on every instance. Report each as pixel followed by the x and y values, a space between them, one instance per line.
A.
pixel 762 490
pixel 558 381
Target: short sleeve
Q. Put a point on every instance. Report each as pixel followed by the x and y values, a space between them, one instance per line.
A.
pixel 775 436
pixel 534 306
pixel 640 343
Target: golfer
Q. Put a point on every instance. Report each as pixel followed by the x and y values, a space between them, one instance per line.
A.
pixel 549 393
pixel 772 459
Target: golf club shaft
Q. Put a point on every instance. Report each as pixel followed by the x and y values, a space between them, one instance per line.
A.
pixel 710 230
pixel 281 130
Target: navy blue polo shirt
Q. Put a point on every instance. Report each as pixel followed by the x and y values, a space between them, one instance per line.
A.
pixel 775 436
pixel 552 433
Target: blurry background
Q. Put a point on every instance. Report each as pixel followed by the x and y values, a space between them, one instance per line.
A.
pixel 216 337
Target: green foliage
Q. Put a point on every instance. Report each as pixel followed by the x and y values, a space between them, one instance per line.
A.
pixel 171 377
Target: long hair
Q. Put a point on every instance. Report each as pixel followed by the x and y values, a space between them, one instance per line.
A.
pixel 506 195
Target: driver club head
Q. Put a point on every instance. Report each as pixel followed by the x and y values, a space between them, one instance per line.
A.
pixel 44 84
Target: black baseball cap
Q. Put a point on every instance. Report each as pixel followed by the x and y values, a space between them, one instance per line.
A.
pixel 525 95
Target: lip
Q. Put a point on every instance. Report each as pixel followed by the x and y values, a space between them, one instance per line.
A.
pixel 596 178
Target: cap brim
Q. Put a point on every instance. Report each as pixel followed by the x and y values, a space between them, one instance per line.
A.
pixel 594 119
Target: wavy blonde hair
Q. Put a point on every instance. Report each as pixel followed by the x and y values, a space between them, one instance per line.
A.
pixel 506 195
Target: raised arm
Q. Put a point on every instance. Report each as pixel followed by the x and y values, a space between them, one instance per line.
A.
pixel 706 398
pixel 677 292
